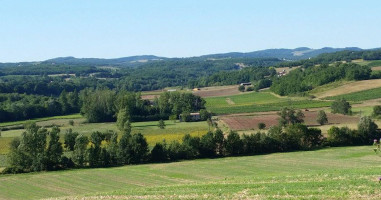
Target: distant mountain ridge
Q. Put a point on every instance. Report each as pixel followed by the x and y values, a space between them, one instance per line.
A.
pixel 104 61
pixel 282 54
pixel 286 54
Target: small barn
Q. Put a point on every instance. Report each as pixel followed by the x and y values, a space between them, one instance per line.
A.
pixel 193 117
pixel 246 84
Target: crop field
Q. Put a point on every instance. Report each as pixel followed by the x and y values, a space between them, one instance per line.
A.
pixel 350 87
pixel 217 91
pixel 153 134
pixel 251 122
pixel 333 173
pixel 257 102
pixel 359 96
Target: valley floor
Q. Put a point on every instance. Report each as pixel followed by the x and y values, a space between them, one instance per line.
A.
pixel 332 173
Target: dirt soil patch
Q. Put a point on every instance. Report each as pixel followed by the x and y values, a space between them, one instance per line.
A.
pixel 217 91
pixel 378 68
pixel 149 97
pixel 251 122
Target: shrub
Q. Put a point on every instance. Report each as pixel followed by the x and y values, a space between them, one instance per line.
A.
pixel 261 125
pixel 376 111
pixel 161 124
pixel 251 88
pixel 205 115
pixel 341 106
pixel 241 88
pixel 322 117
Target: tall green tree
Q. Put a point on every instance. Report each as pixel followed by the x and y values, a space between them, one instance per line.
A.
pixel 80 150
pixel 69 139
pixel 367 129
pixel 54 150
pixel 234 145
pixel 322 117
pixel 290 116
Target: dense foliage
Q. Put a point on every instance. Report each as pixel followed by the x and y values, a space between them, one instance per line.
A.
pixel 341 106
pixel 39 149
pixel 301 80
pixel 106 105
pixel 15 106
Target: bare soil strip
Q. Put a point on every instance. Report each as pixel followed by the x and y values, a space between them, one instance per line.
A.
pixel 217 91
pixel 271 119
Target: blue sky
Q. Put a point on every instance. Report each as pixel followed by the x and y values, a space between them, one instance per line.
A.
pixel 39 30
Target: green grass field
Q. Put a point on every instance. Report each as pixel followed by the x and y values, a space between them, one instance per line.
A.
pixel 73 116
pixel 153 134
pixel 333 173
pixel 374 63
pixel 258 102
pixel 359 96
pixel 363 111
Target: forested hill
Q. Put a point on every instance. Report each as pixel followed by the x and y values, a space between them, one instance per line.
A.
pixel 286 54
pixel 131 61
pixel 124 61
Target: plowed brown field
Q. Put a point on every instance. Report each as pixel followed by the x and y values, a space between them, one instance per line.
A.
pixel 251 122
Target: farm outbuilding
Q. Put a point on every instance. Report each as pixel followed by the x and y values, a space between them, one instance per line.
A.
pixel 245 84
pixel 193 117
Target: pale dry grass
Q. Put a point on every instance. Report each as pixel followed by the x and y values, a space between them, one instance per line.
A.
pixel 287 69
pixel 229 101
pixel 350 88
pixel 378 68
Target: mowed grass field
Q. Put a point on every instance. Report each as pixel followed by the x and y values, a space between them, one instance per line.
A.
pixel 258 102
pixel 333 173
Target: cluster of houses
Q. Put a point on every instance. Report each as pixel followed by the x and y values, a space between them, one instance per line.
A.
pixel 282 73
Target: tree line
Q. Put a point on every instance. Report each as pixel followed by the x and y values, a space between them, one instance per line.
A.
pixel 14 107
pixel 108 105
pixel 39 149
pixel 101 105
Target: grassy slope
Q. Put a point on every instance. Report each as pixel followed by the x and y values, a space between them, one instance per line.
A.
pixel 257 102
pixel 349 87
pixel 73 116
pixel 359 96
pixel 341 173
